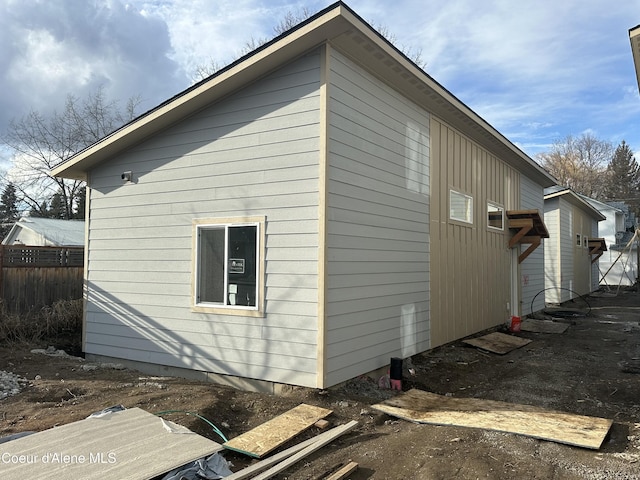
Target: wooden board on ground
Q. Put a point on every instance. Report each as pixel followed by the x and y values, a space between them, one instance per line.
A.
pixel 543 326
pixel 131 444
pixel 497 342
pixel 424 407
pixel 270 435
pixel 348 469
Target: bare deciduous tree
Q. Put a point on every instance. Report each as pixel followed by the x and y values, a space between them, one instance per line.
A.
pixel 579 163
pixel 41 142
pixel 290 20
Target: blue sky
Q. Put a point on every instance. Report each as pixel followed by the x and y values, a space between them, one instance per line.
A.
pixel 537 70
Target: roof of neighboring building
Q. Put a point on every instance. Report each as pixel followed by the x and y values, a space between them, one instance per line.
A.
pixel 573 198
pixel 602 206
pixel 51 231
pixel 348 33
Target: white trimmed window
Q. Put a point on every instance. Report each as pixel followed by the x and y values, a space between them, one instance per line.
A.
pixel 460 207
pixel 578 240
pixel 495 216
pixel 227 265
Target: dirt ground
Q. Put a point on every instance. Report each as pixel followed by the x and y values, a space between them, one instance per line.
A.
pixel 579 371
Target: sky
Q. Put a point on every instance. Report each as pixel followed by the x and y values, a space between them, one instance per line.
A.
pixel 536 70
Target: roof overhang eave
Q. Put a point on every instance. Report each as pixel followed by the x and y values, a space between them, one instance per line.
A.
pixel 579 202
pixel 634 38
pixel 344 29
pixel 221 84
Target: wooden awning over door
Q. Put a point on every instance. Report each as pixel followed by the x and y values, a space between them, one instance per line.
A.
pixel 597 246
pixel 529 229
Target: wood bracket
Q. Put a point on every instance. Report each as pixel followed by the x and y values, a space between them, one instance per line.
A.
pixel 530 229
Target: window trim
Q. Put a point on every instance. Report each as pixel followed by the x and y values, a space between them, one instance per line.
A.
pixel 462 221
pixel 239 310
pixel 578 241
pixel 499 207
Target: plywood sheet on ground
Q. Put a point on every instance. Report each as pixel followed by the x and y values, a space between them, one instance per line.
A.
pixel 543 326
pixel 497 342
pixel 270 435
pixel 131 444
pixel 424 407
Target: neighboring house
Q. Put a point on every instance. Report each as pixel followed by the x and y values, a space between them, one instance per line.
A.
pixel 572 251
pixel 46 232
pixel 619 264
pixel 305 214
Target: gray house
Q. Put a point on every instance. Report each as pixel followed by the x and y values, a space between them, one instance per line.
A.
pixel 305 214
pixel 574 247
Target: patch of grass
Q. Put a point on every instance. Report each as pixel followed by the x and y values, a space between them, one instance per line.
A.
pixel 62 320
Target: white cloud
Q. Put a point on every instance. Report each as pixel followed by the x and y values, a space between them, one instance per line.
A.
pixel 52 49
pixel 535 69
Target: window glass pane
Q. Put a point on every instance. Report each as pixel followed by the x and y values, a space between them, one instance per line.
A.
pixel 242 265
pixel 211 267
pixel 495 216
pixel 460 207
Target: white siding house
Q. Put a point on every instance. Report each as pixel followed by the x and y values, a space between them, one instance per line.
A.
pixel 300 217
pixel 572 222
pixel 619 264
pixel 46 232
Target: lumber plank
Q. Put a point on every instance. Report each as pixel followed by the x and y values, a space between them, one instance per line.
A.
pixel 262 465
pixel 348 469
pixel 275 432
pixel 336 432
pixel 424 407
pixel 543 326
pixel 497 342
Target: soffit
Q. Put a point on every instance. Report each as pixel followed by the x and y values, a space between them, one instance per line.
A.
pixel 570 196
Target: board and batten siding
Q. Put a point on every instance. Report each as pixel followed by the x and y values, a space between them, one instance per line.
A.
pixel 377 237
pixel 582 224
pixel 255 153
pixel 470 263
pixel 532 268
pixel 595 273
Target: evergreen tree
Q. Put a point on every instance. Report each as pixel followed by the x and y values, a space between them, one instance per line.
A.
pixel 9 212
pixel 57 208
pixel 623 178
pixel 81 200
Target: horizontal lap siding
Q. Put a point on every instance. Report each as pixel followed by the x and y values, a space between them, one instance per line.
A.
pixel 559 250
pixel 567 238
pixel 470 264
pixel 377 227
pixel 552 251
pixel 532 269
pixel 252 154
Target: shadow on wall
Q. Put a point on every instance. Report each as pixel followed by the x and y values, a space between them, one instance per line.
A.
pixel 119 331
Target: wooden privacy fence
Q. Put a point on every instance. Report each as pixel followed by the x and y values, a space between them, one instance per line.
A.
pixel 33 277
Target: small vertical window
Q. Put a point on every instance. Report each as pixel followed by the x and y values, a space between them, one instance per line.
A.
pixel 585 241
pixel 495 216
pixel 578 240
pixel 227 265
pixel 460 207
